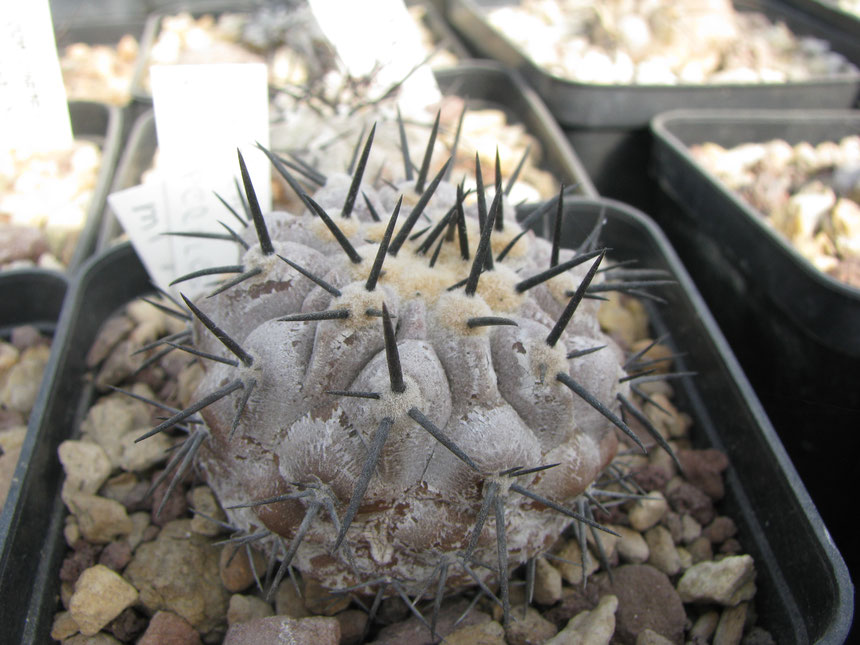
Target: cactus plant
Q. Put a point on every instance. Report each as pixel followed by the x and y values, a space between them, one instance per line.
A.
pixel 412 402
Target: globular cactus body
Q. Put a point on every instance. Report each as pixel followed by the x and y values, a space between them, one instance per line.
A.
pixel 401 406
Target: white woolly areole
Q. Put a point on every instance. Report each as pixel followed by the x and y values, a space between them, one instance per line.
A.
pixel 358 300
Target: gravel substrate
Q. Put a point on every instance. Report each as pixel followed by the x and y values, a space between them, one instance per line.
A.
pixel 23 357
pixel 678 573
pixel 809 194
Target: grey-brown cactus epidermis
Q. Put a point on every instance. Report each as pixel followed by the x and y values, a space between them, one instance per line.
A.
pixel 399 405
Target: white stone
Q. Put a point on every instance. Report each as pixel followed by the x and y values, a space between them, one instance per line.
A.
pixel 595 627
pixel 86 465
pixel 725 582
pixel 632 547
pixel 647 512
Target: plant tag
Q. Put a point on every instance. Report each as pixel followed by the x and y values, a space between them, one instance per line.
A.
pixel 34 112
pixel 143 215
pixel 380 37
pixel 203 113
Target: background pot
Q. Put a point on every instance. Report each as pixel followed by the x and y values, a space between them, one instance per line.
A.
pixel 794 328
pixel 608 124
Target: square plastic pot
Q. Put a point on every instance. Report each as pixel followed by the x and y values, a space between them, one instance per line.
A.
pixel 794 328
pixel 804 594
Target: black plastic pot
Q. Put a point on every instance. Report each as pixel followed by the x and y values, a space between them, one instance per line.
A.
pixel 31 297
pixel 27 297
pixel 795 329
pixel 608 124
pixel 486 83
pixel 805 593
pixel 830 14
pixel 104 125
pixel 69 29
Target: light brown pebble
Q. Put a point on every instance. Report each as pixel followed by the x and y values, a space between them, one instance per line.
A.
pixel 705 626
pixel 202 500
pixel 244 608
pixel 100 519
pixel 730 629
pixel 663 556
pixel 646 513
pixel 650 637
pixel 725 582
pixel 570 562
pixel 352 623
pixel 119 486
pixel 289 601
pixel 64 626
pixel 115 329
pixel 700 549
pixel 237 569
pixel 71 531
pixel 178 572
pixel 8 356
pixel 547 583
pixel 114 415
pixel 320 601
pixel 86 465
pixel 23 380
pixel 607 540
pixel 664 461
pixel 516 598
pixel 632 547
pixel 672 521
pixel 594 627
pixel 100 596
pixel 685 558
pixel 690 529
pixel 528 629
pixel 488 633
pixel 11 441
pixel 139 525
pixel 96 639
pixel 139 456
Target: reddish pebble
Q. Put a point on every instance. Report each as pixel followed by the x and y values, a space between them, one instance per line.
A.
pixel 166 628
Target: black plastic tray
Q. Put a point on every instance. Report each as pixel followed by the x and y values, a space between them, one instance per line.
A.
pixel 482 81
pixel 831 15
pixel 608 124
pixel 805 593
pixel 579 105
pixel 795 329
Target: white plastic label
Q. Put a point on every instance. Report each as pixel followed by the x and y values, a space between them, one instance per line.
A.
pixel 380 36
pixel 143 215
pixel 203 115
pixel 34 113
